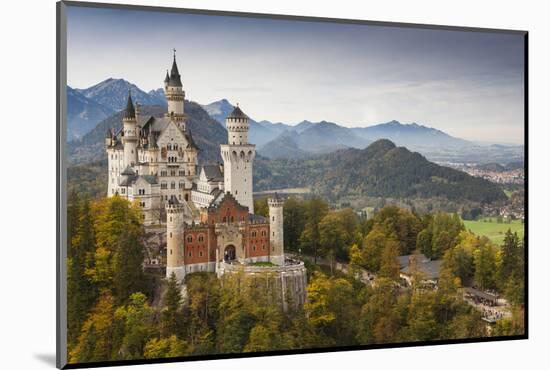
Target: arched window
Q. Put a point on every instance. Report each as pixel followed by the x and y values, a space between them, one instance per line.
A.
pixel 189 238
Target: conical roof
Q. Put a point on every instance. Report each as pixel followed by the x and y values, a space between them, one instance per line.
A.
pixel 130 111
pixel 175 78
pixel 237 113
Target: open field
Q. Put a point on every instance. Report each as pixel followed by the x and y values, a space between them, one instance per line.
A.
pixel 495 231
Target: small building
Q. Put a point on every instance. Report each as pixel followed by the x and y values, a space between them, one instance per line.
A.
pixel 412 263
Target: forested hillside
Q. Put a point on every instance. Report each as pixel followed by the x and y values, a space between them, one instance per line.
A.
pixel 380 170
pixel 118 312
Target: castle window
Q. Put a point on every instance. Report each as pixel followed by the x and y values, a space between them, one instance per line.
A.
pixel 273 218
pixel 163 173
pixel 173 173
pixel 170 233
pixel 201 238
pixel 182 173
pixel 263 247
pixel 190 254
pixel 200 253
pixel 189 238
pixel 170 221
pixel 163 185
pixel 181 185
pixel 274 233
pixel 253 234
pixel 172 185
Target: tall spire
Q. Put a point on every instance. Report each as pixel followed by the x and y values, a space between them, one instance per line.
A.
pixel 167 78
pixel 130 111
pixel 175 78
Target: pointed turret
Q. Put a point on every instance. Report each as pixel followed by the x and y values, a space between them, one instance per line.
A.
pixel 130 111
pixel 175 78
pixel 175 96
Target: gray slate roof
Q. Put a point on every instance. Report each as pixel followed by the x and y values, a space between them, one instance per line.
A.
pixel 128 171
pixel 151 179
pixel 237 113
pixel 175 78
pixel 130 111
pixel 426 266
pixel 213 172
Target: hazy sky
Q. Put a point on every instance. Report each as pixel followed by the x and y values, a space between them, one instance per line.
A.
pixel 468 84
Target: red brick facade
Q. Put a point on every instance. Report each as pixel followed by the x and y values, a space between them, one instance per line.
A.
pixel 200 240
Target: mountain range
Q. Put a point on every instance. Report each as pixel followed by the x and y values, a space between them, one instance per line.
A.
pixel 89 108
pixel 280 140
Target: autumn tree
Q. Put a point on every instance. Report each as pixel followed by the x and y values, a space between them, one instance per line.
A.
pixel 96 340
pixel 310 238
pixel 460 258
pixel 165 348
pixel 260 207
pixel 294 219
pixel 118 258
pixel 337 232
pixel 485 261
pixel 136 321
pixel 389 265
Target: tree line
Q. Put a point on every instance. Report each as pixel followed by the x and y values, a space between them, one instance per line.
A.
pixel 118 312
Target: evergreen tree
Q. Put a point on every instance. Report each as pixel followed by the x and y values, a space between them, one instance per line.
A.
pixel 81 292
pixel 171 317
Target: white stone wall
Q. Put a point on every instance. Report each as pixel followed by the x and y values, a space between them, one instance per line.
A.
pixel 175 97
pixel 115 161
pixel 174 241
pixel 238 160
pixel 276 231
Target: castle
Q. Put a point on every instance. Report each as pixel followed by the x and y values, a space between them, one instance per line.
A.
pixel 210 220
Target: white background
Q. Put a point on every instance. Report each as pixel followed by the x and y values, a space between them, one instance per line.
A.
pixel 27 182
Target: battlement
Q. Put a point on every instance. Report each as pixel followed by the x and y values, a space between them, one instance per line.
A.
pixel 276 201
pixel 174 207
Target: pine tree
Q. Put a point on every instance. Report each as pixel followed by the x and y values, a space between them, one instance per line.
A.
pixel 81 292
pixel 171 314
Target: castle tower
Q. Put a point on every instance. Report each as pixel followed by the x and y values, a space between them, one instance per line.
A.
pixel 130 135
pixel 238 156
pixel 174 239
pixel 276 234
pixel 175 96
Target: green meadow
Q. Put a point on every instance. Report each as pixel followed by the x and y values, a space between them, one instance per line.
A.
pixel 494 230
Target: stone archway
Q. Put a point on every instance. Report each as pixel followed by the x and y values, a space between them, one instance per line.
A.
pixel 229 253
